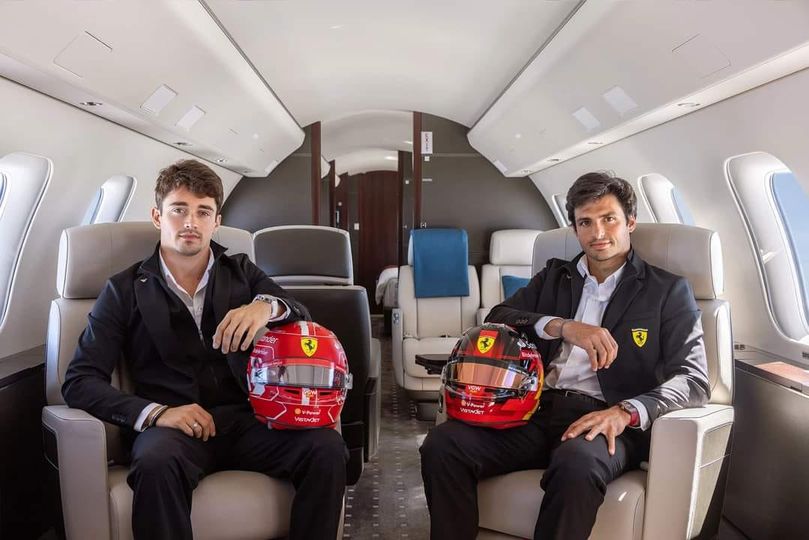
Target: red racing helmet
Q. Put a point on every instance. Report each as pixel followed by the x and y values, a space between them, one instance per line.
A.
pixel 493 378
pixel 298 377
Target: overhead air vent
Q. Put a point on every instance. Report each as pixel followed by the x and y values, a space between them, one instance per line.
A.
pixel 158 100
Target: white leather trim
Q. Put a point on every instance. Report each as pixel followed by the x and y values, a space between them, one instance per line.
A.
pixel 512 247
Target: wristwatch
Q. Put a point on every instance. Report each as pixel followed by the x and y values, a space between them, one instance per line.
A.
pixel 269 299
pixel 634 415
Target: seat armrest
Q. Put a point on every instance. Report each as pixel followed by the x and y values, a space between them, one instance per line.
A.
pixel 81 451
pixel 688 451
pixel 481 315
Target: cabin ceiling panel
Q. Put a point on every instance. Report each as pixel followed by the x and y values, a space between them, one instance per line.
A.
pixel 617 68
pixel 450 58
pixel 369 159
pixel 119 53
pixel 390 130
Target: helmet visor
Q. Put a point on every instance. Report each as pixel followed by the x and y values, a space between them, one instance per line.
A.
pixel 305 375
pixel 481 374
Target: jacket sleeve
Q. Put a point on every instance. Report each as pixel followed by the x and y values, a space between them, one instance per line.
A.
pixel 518 309
pixel 261 283
pixel 684 365
pixel 101 345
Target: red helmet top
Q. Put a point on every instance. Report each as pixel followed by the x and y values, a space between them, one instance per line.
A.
pixel 298 377
pixel 493 377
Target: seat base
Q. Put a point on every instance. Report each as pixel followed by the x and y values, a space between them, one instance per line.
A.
pixel 226 504
pixel 426 410
pixel 509 506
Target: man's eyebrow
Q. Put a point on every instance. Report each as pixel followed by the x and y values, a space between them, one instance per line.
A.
pixel 178 203
pixel 206 207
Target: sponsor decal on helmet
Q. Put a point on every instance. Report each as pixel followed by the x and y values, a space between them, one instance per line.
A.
pixel 308 345
pixel 486 340
pixel 639 336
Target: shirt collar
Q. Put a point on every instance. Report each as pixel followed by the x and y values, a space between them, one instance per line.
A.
pixel 611 281
pixel 167 275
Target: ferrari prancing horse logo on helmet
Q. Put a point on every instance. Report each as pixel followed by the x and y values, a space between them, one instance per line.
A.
pixel 486 341
pixel 308 345
pixel 639 336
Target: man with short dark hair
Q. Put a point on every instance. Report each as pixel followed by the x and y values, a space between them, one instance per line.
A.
pixel 601 378
pixel 183 321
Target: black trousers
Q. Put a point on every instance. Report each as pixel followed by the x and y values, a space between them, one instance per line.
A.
pixel 455 456
pixel 167 465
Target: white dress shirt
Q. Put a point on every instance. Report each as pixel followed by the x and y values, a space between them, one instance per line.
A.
pixel 195 304
pixel 571 369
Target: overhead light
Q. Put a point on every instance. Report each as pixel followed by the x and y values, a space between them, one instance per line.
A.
pixel 221 160
pixel 619 100
pixel 255 135
pixel 586 119
pixel 336 26
pixel 518 135
pixel 408 142
pixel 91 103
pixel 158 100
pixel 595 143
pixel 554 160
pixel 182 143
pixel 391 158
pixel 689 104
pixel 190 118
pixel 525 171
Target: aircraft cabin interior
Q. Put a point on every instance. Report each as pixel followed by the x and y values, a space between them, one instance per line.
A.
pixel 367 146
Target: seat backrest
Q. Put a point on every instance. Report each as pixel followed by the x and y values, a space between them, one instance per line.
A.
pixel 305 255
pixel 314 265
pixel 692 252
pixel 510 253
pixel 235 240
pixel 437 316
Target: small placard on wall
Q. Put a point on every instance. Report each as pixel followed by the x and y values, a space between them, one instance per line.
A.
pixel 426 142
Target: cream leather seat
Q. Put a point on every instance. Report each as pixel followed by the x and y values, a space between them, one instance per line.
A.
pixel 680 496
pixel 427 326
pixel 96 500
pixel 510 252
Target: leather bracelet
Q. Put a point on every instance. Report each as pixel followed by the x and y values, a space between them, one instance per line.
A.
pixel 160 410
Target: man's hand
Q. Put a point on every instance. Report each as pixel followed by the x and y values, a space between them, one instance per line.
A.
pixel 192 420
pixel 240 325
pixel 609 422
pixel 597 342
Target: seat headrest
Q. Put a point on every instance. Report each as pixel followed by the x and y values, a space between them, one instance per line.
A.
pixel 692 252
pixel 91 254
pixel 512 247
pixel 235 240
pixel 305 255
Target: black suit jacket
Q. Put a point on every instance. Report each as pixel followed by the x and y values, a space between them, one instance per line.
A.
pixel 130 322
pixel 666 372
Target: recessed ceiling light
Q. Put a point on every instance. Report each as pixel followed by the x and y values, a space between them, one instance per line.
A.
pixel 595 143
pixel 518 135
pixel 255 135
pixel 336 26
pixel 91 103
pixel 182 143
pixel 689 104
pixel 554 159
pixel 391 158
pixel 221 160
pixel 526 171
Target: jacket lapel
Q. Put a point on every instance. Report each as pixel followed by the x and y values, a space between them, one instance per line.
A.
pixel 626 291
pixel 150 295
